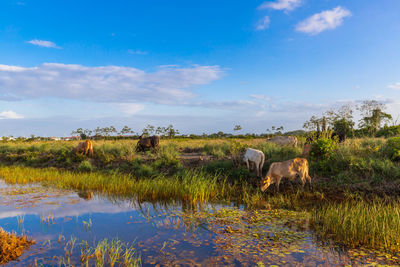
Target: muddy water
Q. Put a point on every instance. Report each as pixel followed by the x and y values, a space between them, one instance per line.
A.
pixel 164 234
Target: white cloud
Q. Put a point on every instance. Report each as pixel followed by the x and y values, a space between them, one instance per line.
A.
pixel 10 115
pixel 130 108
pixel 167 85
pixel 43 43
pixel 236 105
pixel 326 20
pixel 263 23
pixel 261 97
pixel 395 86
pixel 137 52
pixel 286 5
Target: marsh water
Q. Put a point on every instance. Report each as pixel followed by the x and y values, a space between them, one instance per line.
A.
pixel 64 223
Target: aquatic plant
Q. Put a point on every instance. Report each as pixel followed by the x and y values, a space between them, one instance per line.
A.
pixel 358 223
pixel 105 253
pixel 12 246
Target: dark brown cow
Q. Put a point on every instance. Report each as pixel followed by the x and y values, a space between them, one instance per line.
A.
pixel 147 142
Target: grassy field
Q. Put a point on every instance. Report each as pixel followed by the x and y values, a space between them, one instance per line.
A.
pixel 353 201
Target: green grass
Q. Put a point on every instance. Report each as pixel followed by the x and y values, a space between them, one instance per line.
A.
pixel 374 225
pixel 193 186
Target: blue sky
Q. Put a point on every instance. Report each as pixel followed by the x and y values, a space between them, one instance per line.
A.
pixel 202 66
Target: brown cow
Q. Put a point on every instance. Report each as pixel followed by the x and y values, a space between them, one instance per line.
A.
pixel 84 148
pixel 289 169
pixel 147 142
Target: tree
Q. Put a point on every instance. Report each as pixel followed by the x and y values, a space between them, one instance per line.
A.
pixel 112 130
pixel 373 115
pixel 375 120
pixel 79 132
pixel 125 130
pixel 170 131
pixel 98 131
pixel 312 124
pixel 148 130
pixel 87 132
pixel 342 120
pixel 237 128
pixel 161 130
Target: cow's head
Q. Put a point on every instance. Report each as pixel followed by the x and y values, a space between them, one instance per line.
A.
pixel 265 183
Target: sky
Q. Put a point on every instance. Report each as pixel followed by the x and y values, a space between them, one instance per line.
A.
pixel 202 66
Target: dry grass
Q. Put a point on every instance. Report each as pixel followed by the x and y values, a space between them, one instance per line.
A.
pixel 12 246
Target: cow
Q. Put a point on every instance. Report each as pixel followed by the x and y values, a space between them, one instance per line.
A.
pixel 255 156
pixel 284 140
pixel 286 169
pixel 147 142
pixel 84 148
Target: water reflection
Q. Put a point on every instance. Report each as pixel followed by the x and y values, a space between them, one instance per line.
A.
pixel 163 233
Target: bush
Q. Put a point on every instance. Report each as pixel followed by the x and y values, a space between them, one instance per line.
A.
pixel 323 149
pixel 85 166
pixel 392 148
pixel 388 131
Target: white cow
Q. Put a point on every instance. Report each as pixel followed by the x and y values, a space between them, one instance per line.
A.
pixel 284 140
pixel 256 156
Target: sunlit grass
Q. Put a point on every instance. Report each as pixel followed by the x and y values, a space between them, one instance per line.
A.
pixel 193 186
pixel 360 224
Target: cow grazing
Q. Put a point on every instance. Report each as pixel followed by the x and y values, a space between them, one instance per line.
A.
pixel 287 169
pixel 284 140
pixel 84 148
pixel 147 142
pixel 255 156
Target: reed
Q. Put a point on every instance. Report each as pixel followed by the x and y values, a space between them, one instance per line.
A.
pixel 191 185
pixel 374 225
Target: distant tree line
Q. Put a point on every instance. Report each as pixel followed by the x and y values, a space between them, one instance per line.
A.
pixel 374 121
pixel 126 132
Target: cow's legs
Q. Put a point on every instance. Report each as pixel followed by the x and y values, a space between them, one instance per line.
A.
pixel 278 181
pixel 247 162
pixel 257 170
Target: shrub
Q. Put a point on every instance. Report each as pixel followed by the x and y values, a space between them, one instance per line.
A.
pixel 85 166
pixel 392 148
pixel 323 148
pixel 145 171
pixel 388 131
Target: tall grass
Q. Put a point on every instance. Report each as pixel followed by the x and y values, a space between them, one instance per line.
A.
pixel 358 223
pixel 194 186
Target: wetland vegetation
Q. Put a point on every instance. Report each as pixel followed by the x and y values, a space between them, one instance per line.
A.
pixel 351 213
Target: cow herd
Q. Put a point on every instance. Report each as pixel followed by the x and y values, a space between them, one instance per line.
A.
pixel 291 169
pixel 144 143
